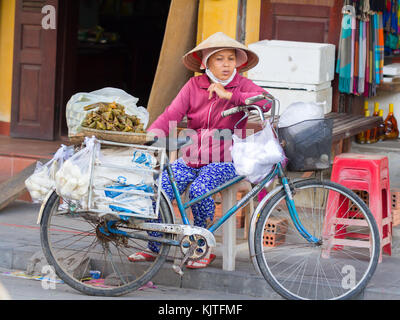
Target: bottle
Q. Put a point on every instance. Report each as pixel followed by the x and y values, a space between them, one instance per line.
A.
pixel 360 138
pixel 380 134
pixel 367 133
pixel 374 131
pixel 376 109
pixel 391 129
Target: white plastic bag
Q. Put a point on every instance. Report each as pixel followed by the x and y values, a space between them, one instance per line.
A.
pixel 125 202
pixel 255 155
pixel 75 112
pixel 301 111
pixel 73 178
pixel 42 181
pixel 127 158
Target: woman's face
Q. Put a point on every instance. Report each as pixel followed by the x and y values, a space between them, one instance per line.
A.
pixel 222 63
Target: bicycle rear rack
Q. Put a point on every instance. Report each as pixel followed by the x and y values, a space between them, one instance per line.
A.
pixel 158 153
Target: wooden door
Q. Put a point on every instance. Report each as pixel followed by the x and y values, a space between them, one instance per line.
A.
pixel 34 72
pixel 300 20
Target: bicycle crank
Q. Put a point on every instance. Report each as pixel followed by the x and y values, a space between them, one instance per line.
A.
pixel 193 248
pixel 196 244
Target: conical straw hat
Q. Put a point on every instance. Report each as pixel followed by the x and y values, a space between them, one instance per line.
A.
pixel 192 59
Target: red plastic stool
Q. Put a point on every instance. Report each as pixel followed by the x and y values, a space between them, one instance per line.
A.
pixel 369 173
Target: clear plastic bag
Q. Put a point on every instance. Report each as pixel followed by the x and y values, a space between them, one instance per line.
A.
pixel 301 111
pixel 125 202
pixel 75 112
pixel 255 155
pixel 42 181
pixel 124 158
pixel 73 178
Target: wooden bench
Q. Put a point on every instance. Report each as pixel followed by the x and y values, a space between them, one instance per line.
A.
pixel 345 126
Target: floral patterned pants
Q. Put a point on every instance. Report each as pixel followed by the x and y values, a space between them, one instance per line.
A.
pixel 201 180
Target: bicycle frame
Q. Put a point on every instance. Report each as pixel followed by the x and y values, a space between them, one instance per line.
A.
pixel 276 171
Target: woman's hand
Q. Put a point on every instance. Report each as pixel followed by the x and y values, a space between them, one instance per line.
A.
pixel 219 91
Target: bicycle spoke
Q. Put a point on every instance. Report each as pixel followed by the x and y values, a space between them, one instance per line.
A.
pixel 90 253
pixel 297 268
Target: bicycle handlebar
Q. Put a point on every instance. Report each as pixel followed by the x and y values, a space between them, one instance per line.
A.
pixel 255 99
pixel 250 104
pixel 231 111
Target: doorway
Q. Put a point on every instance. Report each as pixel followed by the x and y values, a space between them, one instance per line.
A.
pixel 108 43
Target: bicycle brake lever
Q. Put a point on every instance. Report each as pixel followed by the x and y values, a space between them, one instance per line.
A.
pixel 244 117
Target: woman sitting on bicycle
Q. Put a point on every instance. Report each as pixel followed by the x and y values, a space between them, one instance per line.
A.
pixel 207 164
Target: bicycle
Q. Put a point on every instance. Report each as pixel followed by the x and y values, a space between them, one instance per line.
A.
pixel 316 257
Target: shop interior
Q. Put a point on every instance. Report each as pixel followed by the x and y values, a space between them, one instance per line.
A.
pixel 113 43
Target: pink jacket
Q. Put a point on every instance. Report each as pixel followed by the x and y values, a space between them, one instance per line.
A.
pixel 204 118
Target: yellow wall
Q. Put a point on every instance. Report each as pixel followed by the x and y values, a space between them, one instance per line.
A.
pixel 253 13
pixel 7 15
pixel 221 15
pixel 215 16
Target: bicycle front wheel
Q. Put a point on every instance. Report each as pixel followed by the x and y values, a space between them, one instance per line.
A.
pixel 339 265
pixel 91 258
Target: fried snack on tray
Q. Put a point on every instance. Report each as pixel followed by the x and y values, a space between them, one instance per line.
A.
pixel 111 117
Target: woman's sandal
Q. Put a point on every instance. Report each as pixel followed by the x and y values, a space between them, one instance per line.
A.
pixel 202 263
pixel 142 256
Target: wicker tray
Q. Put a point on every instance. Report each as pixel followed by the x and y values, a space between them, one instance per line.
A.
pixel 77 139
pixel 123 137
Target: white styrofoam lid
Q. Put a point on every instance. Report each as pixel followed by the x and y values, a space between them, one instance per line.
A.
pixel 392 69
pixel 290 44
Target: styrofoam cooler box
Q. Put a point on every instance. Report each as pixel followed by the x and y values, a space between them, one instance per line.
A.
pixel 293 61
pixel 288 96
pixel 392 69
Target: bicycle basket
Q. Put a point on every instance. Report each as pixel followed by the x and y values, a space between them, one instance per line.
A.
pixel 307 144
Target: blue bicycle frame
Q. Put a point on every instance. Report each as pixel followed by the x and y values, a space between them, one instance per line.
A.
pixel 277 171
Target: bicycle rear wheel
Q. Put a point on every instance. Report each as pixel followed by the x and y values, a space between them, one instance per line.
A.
pixel 91 259
pixel 340 265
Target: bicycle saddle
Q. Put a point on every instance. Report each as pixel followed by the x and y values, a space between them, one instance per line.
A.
pixel 171 144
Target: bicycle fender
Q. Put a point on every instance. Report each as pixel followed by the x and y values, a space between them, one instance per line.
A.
pixel 252 225
pixel 171 208
pixel 40 214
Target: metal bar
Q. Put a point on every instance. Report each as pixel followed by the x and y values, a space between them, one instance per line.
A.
pixel 214 191
pixel 117 213
pixel 92 160
pixel 175 190
pixel 159 183
pixel 138 146
pixel 245 199
pixel 154 239
pixel 113 166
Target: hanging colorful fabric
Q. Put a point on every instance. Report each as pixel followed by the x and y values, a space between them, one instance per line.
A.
pixel 345 57
pixel 377 49
pixel 368 60
pixel 372 85
pixel 381 47
pixel 356 57
pixel 362 56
